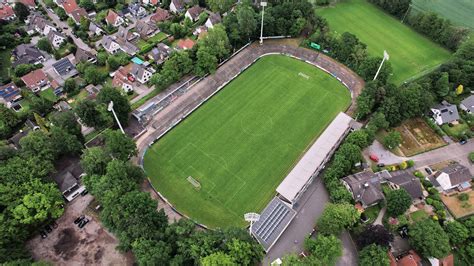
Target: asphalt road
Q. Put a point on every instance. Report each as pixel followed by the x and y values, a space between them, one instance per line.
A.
pixel 453 151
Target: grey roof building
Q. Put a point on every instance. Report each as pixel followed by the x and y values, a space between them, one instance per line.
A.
pixel 453 177
pixel 160 53
pixel 445 113
pixel 84 56
pixel 145 29
pixel 468 104
pixel 27 54
pixel 404 179
pixel 365 187
pixel 65 68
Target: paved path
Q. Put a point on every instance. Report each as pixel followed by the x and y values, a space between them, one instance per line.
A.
pixel 379 218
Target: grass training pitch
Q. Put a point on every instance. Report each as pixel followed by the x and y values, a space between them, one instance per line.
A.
pixel 242 143
pixel 410 53
pixel 458 11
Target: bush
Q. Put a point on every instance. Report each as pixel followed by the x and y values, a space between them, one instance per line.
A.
pixel 410 163
pixel 463 197
pixel 471 157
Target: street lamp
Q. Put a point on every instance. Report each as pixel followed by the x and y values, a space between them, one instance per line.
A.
pixel 263 4
pixel 110 108
pixel 385 57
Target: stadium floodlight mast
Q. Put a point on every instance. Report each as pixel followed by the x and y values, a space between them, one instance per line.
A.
pixel 263 4
pixel 385 57
pixel 110 108
pixel 251 217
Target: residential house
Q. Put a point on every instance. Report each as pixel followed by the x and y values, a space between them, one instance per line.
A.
pixel 122 79
pixel 29 3
pixel 160 53
pixel 68 5
pixel 27 54
pixel 151 2
pixel 452 178
pixel 468 104
pixel 57 88
pixel 193 13
pixel 200 31
pixel 137 10
pixel 185 44
pixel 126 35
pixel 212 20
pixel 68 181
pixel 365 187
pixel 145 29
pixel 63 106
pixel 407 181
pixel 160 15
pixel 36 80
pixel 127 46
pixel 37 23
pixel 445 113
pixel 77 14
pixel 178 6
pixel 113 19
pixel 410 258
pixel 84 56
pixel 110 45
pixel 10 95
pixel 6 12
pixel 141 73
pixel 14 141
pixel 56 38
pixel 65 69
pixel 95 29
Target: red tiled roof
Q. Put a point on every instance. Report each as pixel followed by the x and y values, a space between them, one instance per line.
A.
pixel 111 17
pixel 32 79
pixel 29 3
pixel 160 15
pixel 78 14
pixel 69 6
pixel 447 261
pixel 411 259
pixel 6 11
pixel 121 76
pixel 154 2
pixel 186 44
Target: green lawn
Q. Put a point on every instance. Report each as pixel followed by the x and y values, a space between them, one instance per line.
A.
pixel 5 64
pixel 410 53
pixel 242 143
pixel 48 94
pixel 460 12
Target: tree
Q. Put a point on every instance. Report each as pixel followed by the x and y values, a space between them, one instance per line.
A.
pixel 113 62
pixel 133 216
pixel 398 201
pixel 337 217
pixel 429 239
pixel 8 121
pixel 67 121
pixel 94 75
pixel 375 234
pixel 206 63
pixel 456 232
pixel 218 258
pixel 359 138
pixel 61 13
pixel 442 85
pixel 21 11
pixel 216 42
pixel 23 69
pixel 37 143
pixel 374 255
pixel 119 145
pixel 41 201
pixel 40 105
pixel 102 58
pixel 244 252
pixel 379 121
pixel 121 104
pixel 351 153
pixel 151 252
pixel 392 140
pixel 327 249
pixel 459 89
pixel 246 21
pixel 64 143
pixel 87 4
pixel 70 85
pixel 94 161
pixel 90 114
pixel 220 6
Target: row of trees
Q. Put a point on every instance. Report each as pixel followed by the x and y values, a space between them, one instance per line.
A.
pixel 133 216
pixel 28 197
pixel 415 98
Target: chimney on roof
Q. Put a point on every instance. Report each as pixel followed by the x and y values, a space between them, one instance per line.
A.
pixel 366 184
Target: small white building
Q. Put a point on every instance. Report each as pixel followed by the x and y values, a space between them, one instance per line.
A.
pixel 445 113
pixel 56 39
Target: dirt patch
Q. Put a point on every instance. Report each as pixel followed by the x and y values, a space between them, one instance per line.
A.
pixel 70 245
pixel 417 137
pixel 458 208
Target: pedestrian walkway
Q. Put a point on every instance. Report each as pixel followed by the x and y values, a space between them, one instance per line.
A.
pixel 380 216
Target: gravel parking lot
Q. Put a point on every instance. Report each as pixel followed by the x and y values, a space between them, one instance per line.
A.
pixel 70 245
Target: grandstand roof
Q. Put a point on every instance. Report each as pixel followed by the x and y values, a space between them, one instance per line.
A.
pixel 273 221
pixel 314 157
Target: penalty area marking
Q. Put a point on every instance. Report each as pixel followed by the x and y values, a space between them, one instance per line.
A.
pixel 303 75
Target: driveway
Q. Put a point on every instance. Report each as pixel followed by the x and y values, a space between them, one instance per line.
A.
pixel 454 152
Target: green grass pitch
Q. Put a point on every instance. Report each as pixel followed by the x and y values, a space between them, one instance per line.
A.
pixel 410 53
pixel 460 12
pixel 241 144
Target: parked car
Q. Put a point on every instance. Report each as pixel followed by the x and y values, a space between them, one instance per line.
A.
pixel 84 192
pixel 463 141
pixel 428 170
pixel 79 219
pixel 43 234
pixel 374 158
pixel 381 165
pixel 83 223
pixel 48 229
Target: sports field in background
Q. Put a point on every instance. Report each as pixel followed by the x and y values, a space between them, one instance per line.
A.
pixel 410 52
pixel 241 144
pixel 460 12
